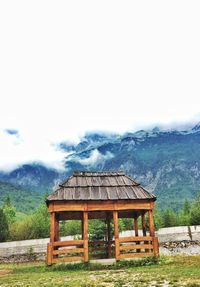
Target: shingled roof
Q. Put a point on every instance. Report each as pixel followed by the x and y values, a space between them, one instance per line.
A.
pixel 100 186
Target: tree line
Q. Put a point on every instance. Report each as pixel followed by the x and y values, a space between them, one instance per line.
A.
pixel 37 224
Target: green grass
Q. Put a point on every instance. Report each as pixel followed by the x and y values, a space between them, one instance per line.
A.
pixel 168 271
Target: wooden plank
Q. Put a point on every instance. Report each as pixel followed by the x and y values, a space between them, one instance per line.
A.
pixel 133 238
pixel 135 255
pixel 85 235
pixel 131 247
pixel 68 243
pixel 68 250
pixel 116 234
pixel 68 259
pixel 52 226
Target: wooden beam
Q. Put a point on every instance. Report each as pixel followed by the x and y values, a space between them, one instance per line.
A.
pixel 116 235
pixel 85 235
pixel 97 205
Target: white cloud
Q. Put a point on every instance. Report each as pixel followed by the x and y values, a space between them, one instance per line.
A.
pixel 15 151
pixel 77 66
pixel 95 157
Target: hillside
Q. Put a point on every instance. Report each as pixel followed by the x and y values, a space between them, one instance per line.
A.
pixel 24 200
pixel 166 162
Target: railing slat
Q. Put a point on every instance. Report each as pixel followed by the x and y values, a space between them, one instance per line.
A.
pixel 134 238
pixel 68 250
pixel 139 246
pixel 68 243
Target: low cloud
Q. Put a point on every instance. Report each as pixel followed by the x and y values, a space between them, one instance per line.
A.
pixel 17 149
pixel 95 157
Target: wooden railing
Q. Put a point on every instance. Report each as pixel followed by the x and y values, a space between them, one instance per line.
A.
pixel 74 251
pixel 101 249
pixel 136 246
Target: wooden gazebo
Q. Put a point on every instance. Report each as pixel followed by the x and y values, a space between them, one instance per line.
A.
pixel 101 195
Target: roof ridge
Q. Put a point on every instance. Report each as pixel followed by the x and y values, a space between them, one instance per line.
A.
pixel 98 173
pixel 106 185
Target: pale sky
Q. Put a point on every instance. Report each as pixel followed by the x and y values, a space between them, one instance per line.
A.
pixel 67 67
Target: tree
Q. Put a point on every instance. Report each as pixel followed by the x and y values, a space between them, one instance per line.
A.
pixel 168 218
pixel 9 211
pixel 195 211
pixel 3 226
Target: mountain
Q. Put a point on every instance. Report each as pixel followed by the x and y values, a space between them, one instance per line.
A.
pixel 35 177
pixel 167 162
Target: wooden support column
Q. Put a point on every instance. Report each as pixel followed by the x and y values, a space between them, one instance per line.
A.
pixel 143 225
pixel 136 230
pixel 108 237
pixel 56 227
pixel 82 227
pixel 151 224
pixel 136 225
pixel 52 238
pixel 85 235
pixel 116 235
pixel 53 227
pixel 152 233
pixel 144 231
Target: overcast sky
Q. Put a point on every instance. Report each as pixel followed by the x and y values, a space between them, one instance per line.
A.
pixel 67 67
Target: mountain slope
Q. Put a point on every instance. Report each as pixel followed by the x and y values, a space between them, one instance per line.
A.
pixel 23 200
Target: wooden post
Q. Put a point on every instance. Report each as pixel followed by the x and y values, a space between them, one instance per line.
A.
pixel 136 225
pixel 116 235
pixel 49 254
pixel 85 235
pixel 151 224
pixel 56 227
pixel 144 231
pixel 136 230
pixel 52 226
pixel 143 225
pixel 82 227
pixel 52 238
pixel 152 233
pixel 108 237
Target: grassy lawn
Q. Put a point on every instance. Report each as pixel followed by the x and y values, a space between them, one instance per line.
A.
pixel 169 271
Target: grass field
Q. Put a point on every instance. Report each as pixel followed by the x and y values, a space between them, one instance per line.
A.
pixel 168 271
